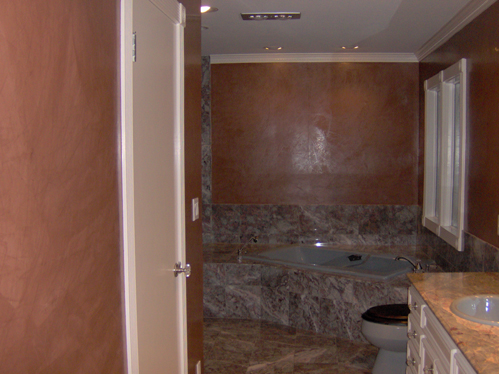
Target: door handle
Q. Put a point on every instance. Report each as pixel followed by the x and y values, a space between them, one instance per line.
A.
pixel 178 269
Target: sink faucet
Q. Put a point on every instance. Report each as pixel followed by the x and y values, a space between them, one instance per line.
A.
pixel 241 251
pixel 417 268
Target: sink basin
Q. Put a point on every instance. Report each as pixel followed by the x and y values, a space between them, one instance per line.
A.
pixel 478 308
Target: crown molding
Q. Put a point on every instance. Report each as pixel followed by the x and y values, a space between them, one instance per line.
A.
pixel 472 10
pixel 312 57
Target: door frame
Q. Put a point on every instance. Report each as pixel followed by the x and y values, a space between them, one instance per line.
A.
pixel 127 184
pixel 126 159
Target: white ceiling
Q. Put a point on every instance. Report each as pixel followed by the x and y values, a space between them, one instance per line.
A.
pixel 376 26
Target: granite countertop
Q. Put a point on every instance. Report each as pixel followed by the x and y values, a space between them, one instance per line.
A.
pixel 478 342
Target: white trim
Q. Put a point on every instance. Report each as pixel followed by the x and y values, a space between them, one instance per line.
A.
pixel 171 8
pixel 176 12
pixel 126 108
pixel 431 223
pixel 430 209
pixel 440 152
pixel 464 82
pixel 452 236
pixel 312 57
pixel 472 10
pixel 180 187
pixel 447 151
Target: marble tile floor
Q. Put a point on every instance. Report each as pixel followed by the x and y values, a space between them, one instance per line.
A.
pixel 236 346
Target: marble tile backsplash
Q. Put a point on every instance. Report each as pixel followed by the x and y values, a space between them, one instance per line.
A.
pixel 477 255
pixel 309 224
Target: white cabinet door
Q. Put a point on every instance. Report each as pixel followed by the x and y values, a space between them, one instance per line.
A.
pixel 413 359
pixel 430 362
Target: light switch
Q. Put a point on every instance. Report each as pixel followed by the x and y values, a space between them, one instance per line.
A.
pixel 195 209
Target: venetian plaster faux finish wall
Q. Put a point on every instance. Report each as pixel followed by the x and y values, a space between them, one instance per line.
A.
pixel 60 287
pixel 479 43
pixel 314 133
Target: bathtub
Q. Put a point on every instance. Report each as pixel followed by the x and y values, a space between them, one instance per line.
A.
pixel 329 260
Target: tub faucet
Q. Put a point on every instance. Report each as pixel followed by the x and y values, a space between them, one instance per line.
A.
pixel 241 251
pixel 417 268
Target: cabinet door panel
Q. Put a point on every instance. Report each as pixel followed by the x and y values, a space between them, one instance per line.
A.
pixel 413 359
pixel 439 337
pixel 416 305
pixel 431 363
pixel 414 332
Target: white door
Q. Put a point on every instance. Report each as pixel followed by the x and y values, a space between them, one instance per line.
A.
pixel 154 240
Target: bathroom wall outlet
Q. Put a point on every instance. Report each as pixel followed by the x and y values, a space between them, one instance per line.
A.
pixel 198 367
pixel 195 209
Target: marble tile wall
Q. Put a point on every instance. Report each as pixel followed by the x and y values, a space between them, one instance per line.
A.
pixel 206 129
pixel 306 300
pixel 334 224
pixel 477 255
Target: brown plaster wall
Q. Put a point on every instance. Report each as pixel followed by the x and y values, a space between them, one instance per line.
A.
pixel 479 43
pixel 194 235
pixel 60 283
pixel 315 133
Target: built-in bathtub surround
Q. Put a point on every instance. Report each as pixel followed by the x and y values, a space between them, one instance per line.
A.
pixel 308 300
pixel 339 260
pixel 310 224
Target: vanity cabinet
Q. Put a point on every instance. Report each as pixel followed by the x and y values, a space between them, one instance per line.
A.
pixel 430 349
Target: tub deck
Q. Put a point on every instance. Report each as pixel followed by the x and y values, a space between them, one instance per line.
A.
pixel 330 259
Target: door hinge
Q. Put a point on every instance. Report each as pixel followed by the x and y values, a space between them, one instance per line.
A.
pixel 178 269
pixel 134 47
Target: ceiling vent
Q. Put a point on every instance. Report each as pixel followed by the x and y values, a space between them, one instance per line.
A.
pixel 267 16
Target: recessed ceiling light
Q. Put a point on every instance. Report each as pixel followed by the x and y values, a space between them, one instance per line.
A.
pixel 272 48
pixel 350 48
pixel 208 9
